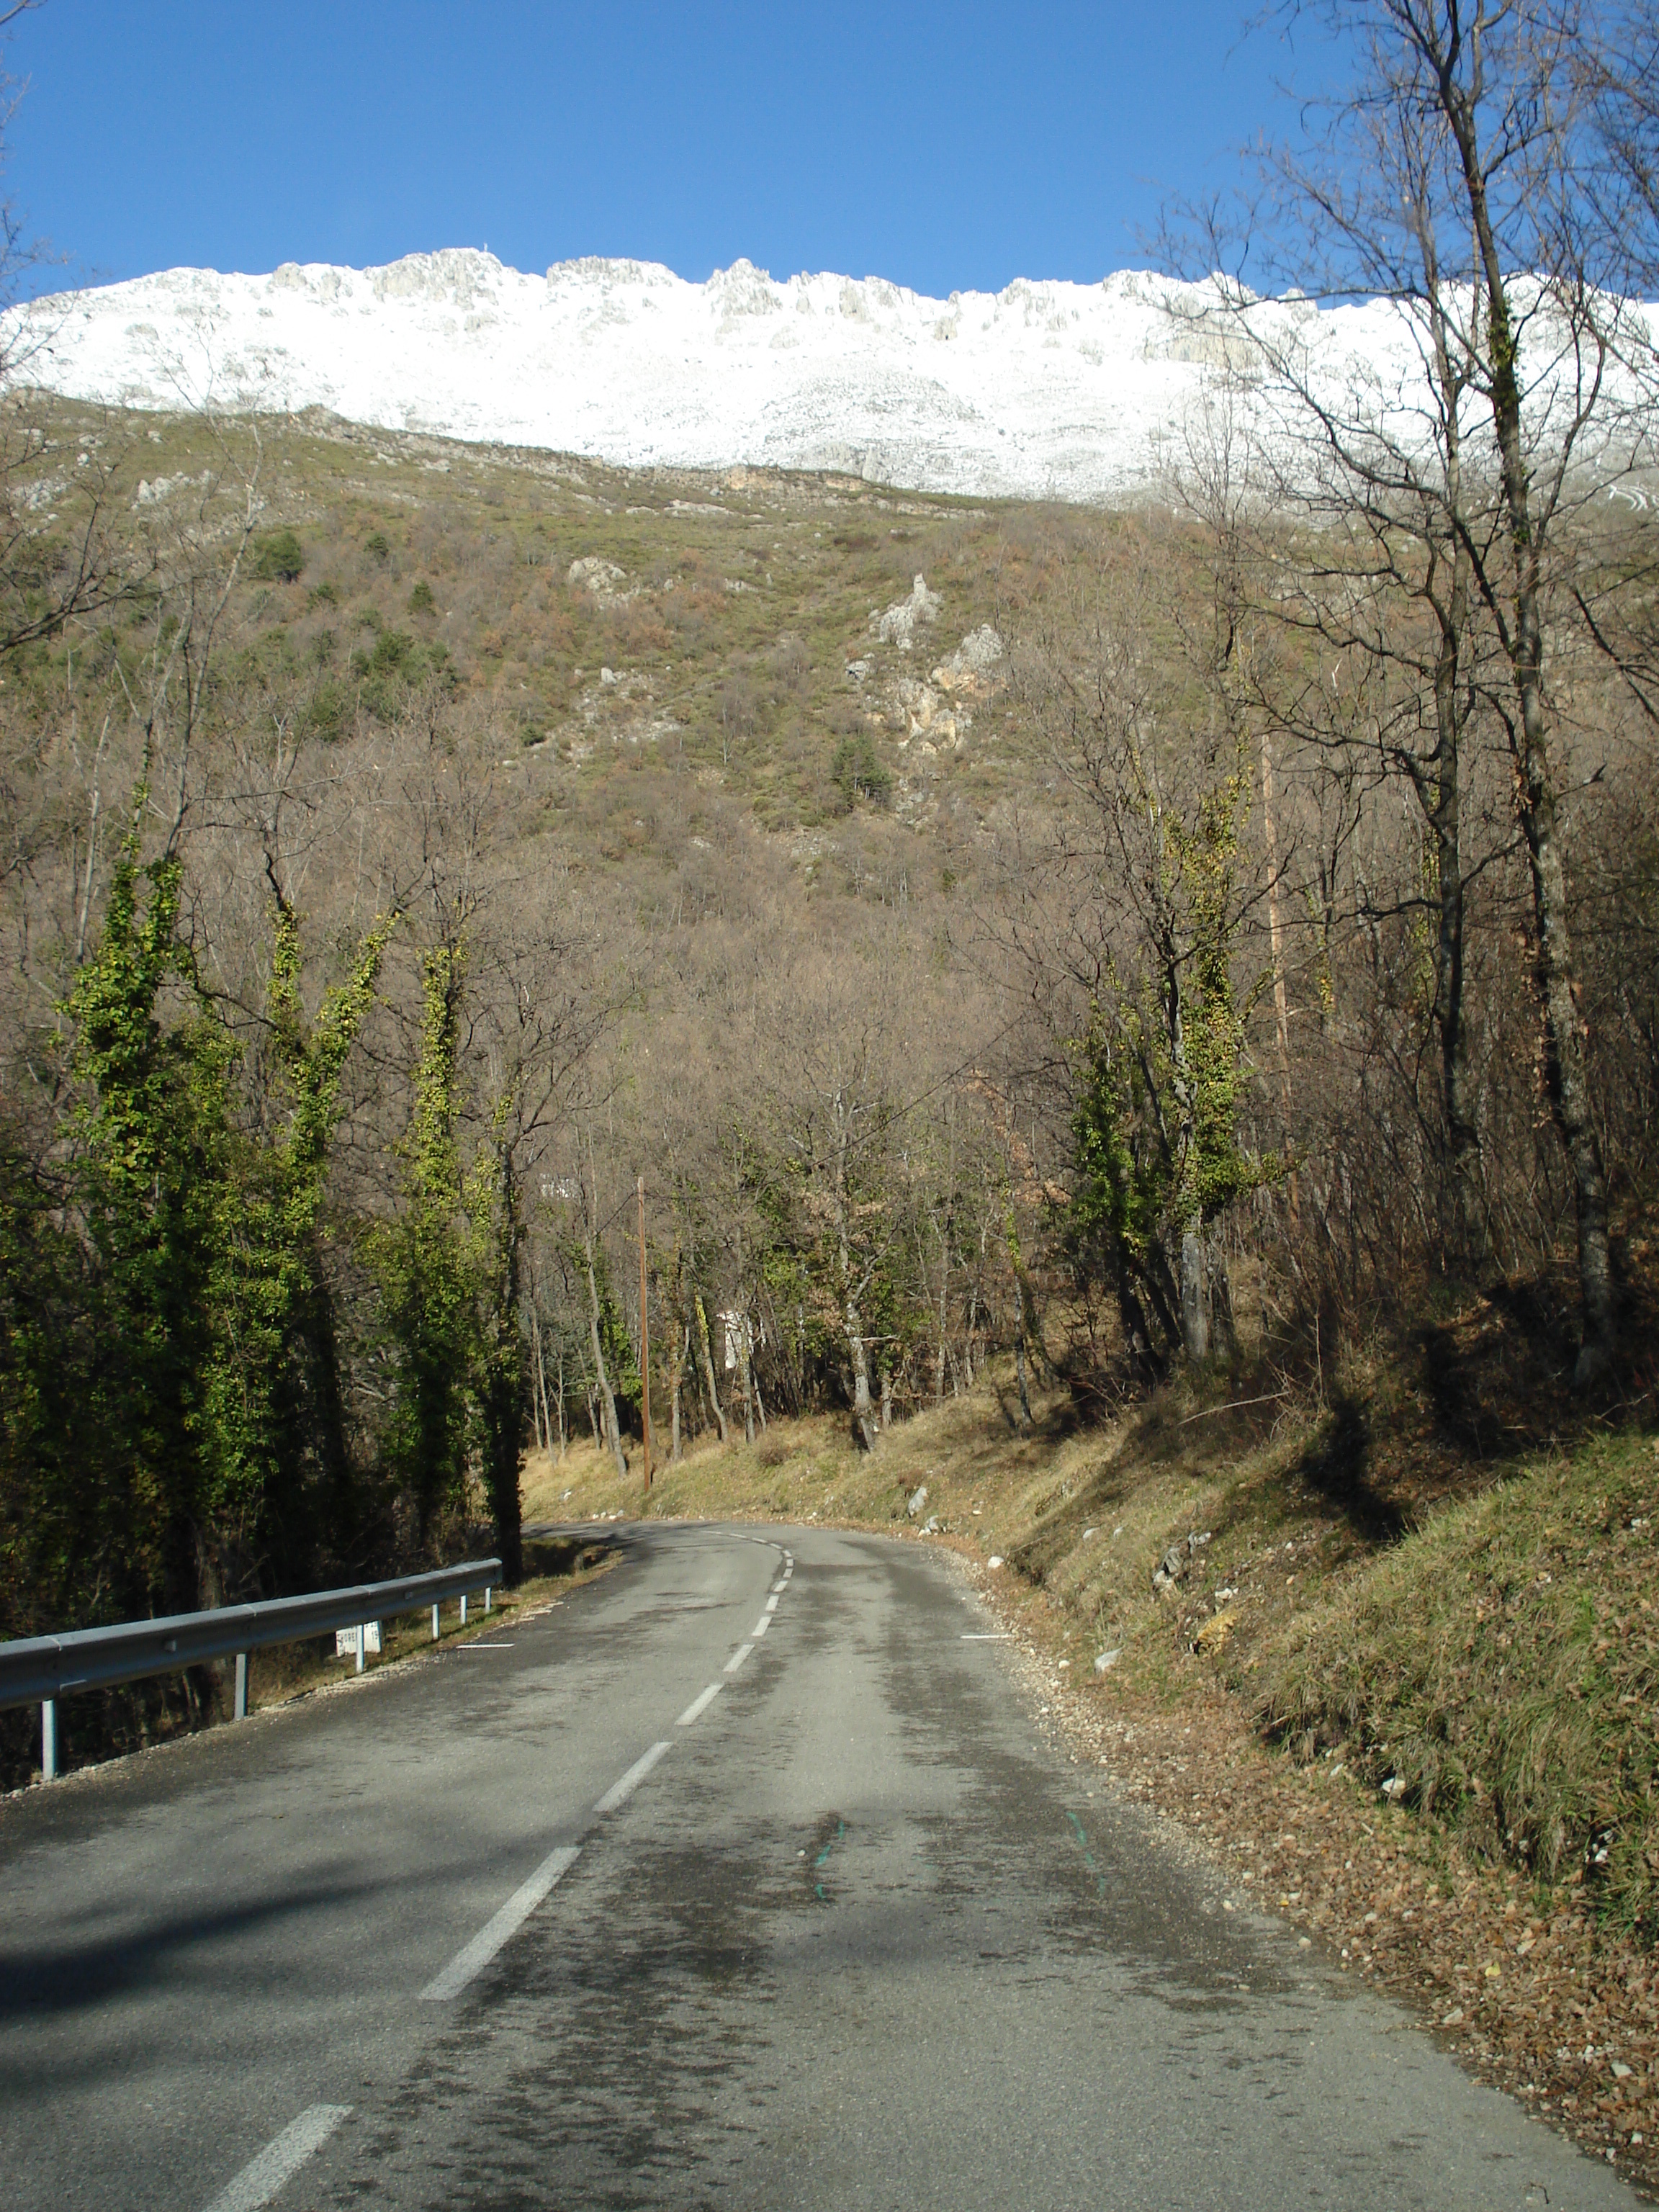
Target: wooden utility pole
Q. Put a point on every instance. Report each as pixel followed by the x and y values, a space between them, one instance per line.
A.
pixel 645 1343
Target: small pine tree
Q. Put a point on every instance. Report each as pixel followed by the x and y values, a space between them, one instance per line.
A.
pixel 857 773
pixel 278 558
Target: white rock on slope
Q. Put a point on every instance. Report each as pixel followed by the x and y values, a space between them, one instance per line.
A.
pixel 1046 390
pixel 898 625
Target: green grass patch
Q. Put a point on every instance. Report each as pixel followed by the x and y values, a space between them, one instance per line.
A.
pixel 1500 1666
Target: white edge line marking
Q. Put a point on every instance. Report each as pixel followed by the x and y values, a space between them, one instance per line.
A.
pixel 780 1583
pixel 699 1705
pixel 992 1636
pixel 738 1657
pixel 772 1603
pixel 262 2177
pixel 481 1949
pixel 620 1792
pixel 761 1625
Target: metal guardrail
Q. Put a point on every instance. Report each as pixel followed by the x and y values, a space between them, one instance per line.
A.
pixel 41 1669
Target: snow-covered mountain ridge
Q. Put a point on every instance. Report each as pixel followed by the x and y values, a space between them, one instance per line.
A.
pixel 1045 389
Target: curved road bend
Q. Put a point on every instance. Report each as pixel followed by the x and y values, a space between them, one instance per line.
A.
pixel 738 1880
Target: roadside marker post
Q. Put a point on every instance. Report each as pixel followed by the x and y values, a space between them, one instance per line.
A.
pixel 240 1712
pixel 49 1740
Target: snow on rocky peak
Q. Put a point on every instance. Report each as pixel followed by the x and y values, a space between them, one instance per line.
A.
pixel 1049 390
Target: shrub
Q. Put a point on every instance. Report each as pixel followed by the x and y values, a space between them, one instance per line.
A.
pixel 278 557
pixel 420 601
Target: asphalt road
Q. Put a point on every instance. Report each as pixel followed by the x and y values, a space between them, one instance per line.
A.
pixel 642 1903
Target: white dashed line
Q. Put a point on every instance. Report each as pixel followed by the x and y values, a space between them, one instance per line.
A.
pixel 620 1792
pixel 699 1705
pixel 262 2177
pixel 490 1938
pixel 762 1626
pixel 779 1585
pixel 738 1657
pixel 772 1604
pixel 988 1636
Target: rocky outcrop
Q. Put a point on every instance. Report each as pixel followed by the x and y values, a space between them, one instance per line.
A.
pixel 899 624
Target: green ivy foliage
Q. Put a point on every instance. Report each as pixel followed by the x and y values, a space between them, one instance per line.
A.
pixel 1157 1076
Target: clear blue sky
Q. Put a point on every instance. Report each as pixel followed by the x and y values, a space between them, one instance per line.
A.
pixel 944 143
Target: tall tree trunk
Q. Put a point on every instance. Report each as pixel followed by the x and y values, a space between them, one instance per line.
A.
pixel 1440 795
pixel 1566 1073
pixel 676 1377
pixel 1019 1356
pixel 1224 1335
pixel 544 1419
pixel 1194 1291
pixel 709 1366
pixel 746 1379
pixel 607 1396
pixel 863 1412
pixel 562 1432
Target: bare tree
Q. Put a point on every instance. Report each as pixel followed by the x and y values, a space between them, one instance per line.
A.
pixel 1450 175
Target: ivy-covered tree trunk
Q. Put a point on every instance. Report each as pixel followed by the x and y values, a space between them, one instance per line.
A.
pixel 271 1390
pixel 503 1381
pixel 425 1277
pixel 151 1140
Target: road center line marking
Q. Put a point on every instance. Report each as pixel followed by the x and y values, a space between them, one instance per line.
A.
pixel 762 1626
pixel 620 1792
pixel 738 1657
pixel 699 1705
pixel 772 1603
pixel 262 2177
pixel 477 1954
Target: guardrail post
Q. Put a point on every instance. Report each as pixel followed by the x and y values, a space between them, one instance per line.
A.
pixel 363 1642
pixel 486 1597
pixel 463 1608
pixel 49 1740
pixel 240 1712
pixel 434 1624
